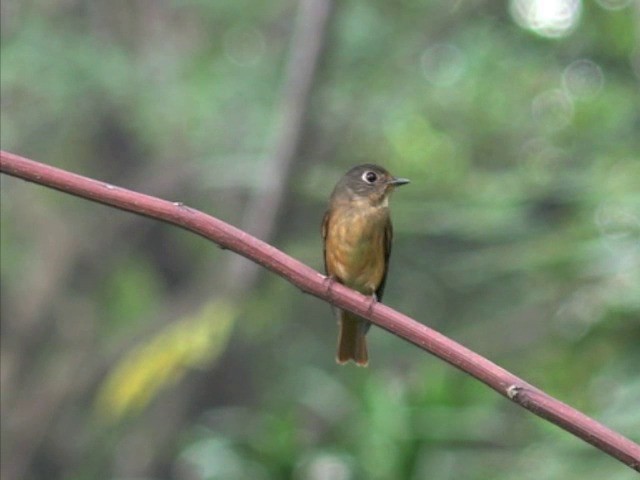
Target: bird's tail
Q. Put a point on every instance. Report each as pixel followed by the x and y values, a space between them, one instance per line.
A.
pixel 352 343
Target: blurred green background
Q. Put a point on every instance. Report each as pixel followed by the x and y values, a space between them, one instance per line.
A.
pixel 134 350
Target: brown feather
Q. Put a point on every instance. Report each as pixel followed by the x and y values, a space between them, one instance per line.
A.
pixel 352 343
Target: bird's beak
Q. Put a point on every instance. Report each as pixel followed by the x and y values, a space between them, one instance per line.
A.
pixel 396 182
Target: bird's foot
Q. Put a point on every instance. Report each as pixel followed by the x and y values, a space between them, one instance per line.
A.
pixel 328 283
pixel 372 303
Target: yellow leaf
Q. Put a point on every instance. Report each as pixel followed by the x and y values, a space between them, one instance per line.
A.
pixel 193 342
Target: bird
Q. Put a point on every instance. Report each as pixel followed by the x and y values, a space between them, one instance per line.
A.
pixel 357 235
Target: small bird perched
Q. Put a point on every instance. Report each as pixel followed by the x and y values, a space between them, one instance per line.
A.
pixel 357 236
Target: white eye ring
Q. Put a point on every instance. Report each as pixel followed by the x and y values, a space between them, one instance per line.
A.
pixel 370 177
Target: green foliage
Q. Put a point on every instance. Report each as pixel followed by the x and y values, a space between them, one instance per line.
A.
pixel 519 236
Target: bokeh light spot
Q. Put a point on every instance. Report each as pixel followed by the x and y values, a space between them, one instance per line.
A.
pixel 547 18
pixel 442 64
pixel 553 109
pixel 617 220
pixel 614 4
pixel 244 46
pixel 582 79
pixel 326 467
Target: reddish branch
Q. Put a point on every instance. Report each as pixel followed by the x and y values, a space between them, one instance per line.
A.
pixel 312 282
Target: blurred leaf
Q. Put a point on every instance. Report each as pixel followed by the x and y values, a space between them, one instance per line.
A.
pixel 193 342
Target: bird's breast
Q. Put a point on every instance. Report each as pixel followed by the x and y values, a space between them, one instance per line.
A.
pixel 355 247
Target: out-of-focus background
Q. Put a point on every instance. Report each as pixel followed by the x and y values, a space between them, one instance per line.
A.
pixel 132 349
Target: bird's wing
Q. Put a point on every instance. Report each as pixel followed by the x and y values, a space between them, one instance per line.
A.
pixel 388 239
pixel 325 228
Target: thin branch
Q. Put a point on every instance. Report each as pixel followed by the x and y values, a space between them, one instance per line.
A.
pixel 312 282
pixel 261 214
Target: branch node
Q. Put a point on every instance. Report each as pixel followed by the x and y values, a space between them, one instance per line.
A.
pixel 327 284
pixel 183 207
pixel 513 391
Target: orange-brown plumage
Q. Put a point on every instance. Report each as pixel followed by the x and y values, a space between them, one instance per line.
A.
pixel 357 236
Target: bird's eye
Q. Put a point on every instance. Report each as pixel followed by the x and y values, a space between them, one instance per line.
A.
pixel 369 177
